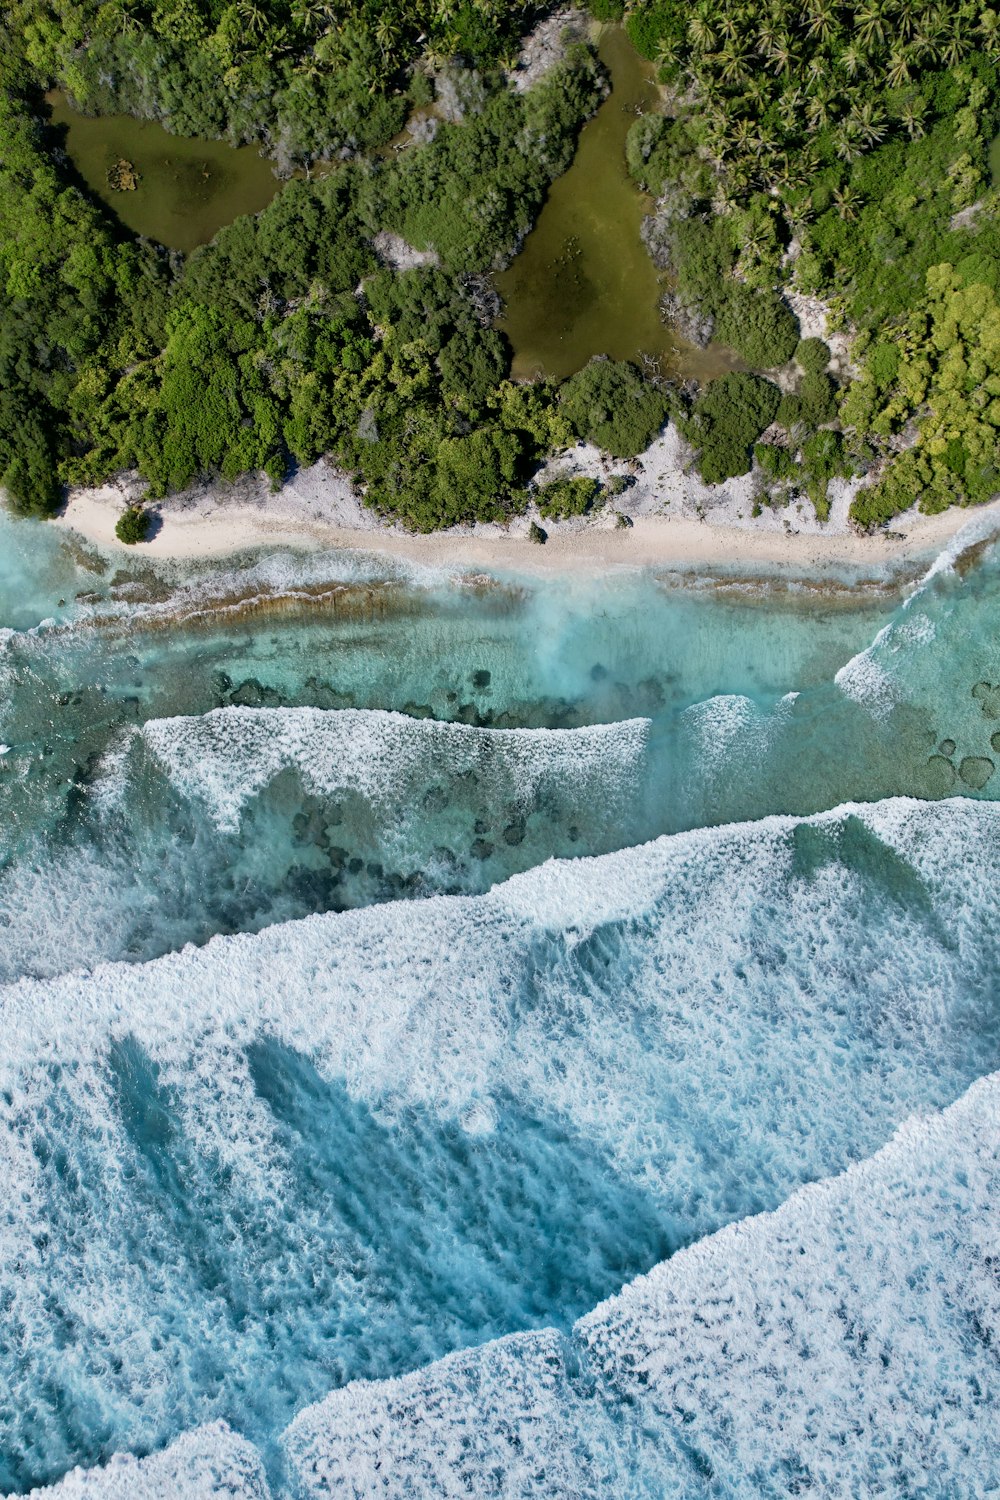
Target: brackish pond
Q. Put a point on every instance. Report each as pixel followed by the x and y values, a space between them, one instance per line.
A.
pixel 583 283
pixel 188 188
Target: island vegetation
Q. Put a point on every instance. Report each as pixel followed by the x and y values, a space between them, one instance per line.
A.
pixel 840 150
pixel 830 151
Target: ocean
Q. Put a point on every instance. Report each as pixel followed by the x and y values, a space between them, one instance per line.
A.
pixel 497 1035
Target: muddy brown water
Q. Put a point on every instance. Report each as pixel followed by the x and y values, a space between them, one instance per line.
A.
pixel 188 187
pixel 584 284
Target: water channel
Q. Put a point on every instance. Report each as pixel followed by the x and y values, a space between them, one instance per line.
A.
pixel 584 283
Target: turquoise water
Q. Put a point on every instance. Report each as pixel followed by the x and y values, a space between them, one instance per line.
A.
pixel 394 966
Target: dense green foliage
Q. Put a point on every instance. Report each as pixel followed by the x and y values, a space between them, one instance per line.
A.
pixel 727 419
pixel 284 339
pixel 757 324
pixel 310 77
pixel 132 525
pixel 473 193
pixel 561 498
pixel 837 149
pixel 856 134
pixel 947 363
pixel 609 403
pixel 77 304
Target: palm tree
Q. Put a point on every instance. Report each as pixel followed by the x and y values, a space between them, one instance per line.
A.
pixel 822 21
pixel 769 37
pixel 253 16
pixel 852 60
pixel 729 62
pixel 386 34
pixel 745 138
pixel 754 246
pixel 818 111
pixel 989 30
pixel 869 125
pixel 912 117
pixel 898 71
pixel 311 15
pixel 756 95
pixel 700 32
pixel 869 21
pixel 790 108
pixel 846 143
pixel 729 26
pixel 668 54
pixel 955 47
pixel 799 216
pixel 848 201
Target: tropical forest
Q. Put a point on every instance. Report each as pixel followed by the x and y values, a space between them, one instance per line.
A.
pixel 837 155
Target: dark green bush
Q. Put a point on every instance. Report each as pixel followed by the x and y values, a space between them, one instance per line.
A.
pixel 818 400
pixel 727 419
pixel 824 458
pixel 702 256
pixel 758 325
pixel 882 364
pixel 813 355
pixel 132 525
pixel 789 412
pixel 776 462
pixel 567 497
pixel 610 404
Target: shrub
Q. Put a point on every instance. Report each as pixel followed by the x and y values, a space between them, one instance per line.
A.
pixel 132 525
pixel 727 419
pixel 874 507
pixel 610 404
pixel 789 412
pixel 882 364
pixel 813 355
pixel 824 458
pixel 537 534
pixel 757 324
pixel 567 497
pixel 776 462
pixel 817 400
pixel 651 26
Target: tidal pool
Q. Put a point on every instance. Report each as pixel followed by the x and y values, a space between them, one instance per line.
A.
pixel 584 284
pixel 188 188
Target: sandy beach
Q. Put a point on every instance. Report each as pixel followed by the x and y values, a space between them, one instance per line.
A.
pixel 669 518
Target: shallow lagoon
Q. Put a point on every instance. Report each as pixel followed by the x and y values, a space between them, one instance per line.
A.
pixel 584 284
pixel 189 187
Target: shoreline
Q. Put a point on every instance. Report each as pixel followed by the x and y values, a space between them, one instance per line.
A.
pixel 318 511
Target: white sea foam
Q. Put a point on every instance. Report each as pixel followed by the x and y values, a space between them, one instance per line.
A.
pixel 209 1463
pixel 719 944
pixel 226 757
pixel 730 729
pixel 719 1016
pixel 880 676
pixel 981 528
pixel 869 677
pixel 841 1346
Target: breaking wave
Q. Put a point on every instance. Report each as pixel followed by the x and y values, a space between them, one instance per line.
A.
pixel 564 1081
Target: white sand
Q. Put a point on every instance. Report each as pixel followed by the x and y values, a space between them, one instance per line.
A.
pixel 676 520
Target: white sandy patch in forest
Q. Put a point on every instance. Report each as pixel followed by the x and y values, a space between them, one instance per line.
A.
pixel 545 47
